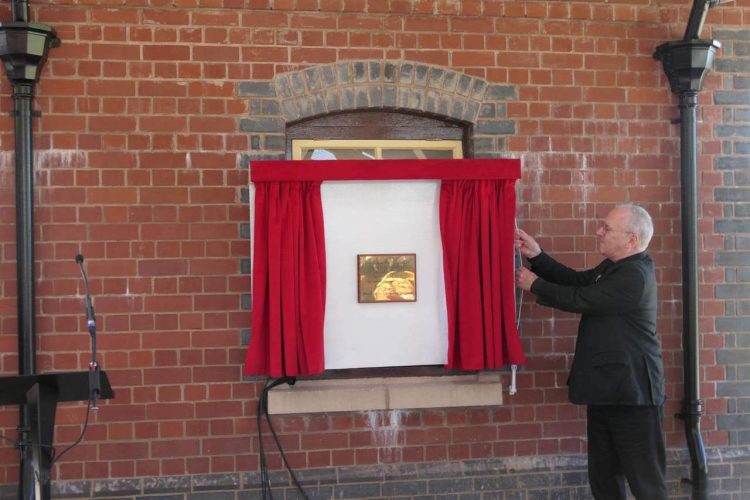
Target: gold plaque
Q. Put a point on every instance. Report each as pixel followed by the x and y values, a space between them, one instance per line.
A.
pixel 387 277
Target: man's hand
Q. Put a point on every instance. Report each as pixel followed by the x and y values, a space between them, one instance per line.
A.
pixel 525 278
pixel 527 245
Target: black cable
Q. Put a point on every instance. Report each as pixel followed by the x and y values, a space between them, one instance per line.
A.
pixel 15 443
pixel 262 409
pixel 265 484
pixel 283 456
pixel 19 444
pixel 54 457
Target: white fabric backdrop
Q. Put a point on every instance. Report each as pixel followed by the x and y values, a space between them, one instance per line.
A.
pixel 383 217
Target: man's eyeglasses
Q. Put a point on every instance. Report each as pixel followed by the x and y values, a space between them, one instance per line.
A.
pixel 603 225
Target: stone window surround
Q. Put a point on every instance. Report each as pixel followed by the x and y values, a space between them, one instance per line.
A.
pixel 383 85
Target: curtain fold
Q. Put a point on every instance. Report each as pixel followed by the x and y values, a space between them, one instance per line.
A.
pixel 477 227
pixel 289 281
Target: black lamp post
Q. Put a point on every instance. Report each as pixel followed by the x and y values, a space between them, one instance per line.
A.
pixel 23 50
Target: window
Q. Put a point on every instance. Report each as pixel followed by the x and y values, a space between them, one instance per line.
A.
pixel 374 149
pixel 379 126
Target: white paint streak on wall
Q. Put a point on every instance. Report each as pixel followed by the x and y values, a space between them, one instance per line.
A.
pixel 533 174
pixel 385 429
pixel 43 160
pixel 581 179
pixel 7 170
pixel 60 158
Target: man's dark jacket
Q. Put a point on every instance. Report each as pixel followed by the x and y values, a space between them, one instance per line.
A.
pixel 618 356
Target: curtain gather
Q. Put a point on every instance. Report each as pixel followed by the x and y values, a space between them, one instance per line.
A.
pixel 476 225
pixel 289 281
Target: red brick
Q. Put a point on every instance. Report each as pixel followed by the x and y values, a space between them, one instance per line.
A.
pixel 473 58
pixel 175 448
pixel 474 433
pixel 474 25
pixel 225 446
pixel 114 451
pixel 430 23
pixel 318 55
pixel 359 22
pixel 166 53
pixel 216 18
pixel 431 436
pixel 312 21
pixel 216 374
pixel 110 88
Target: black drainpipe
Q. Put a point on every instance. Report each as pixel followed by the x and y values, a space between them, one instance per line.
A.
pixel 23 50
pixel 686 62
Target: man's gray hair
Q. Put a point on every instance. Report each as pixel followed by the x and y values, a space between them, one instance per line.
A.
pixel 640 223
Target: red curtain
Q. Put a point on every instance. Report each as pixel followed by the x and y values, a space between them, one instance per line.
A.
pixel 289 280
pixel 477 211
pixel 476 225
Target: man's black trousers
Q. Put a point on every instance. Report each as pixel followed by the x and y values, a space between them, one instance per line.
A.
pixel 626 442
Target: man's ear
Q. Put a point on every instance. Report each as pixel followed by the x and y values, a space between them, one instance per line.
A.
pixel 636 241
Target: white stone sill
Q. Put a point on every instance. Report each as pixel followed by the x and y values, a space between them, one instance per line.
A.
pixel 386 393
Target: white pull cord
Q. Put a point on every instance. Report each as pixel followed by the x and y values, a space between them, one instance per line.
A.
pixel 517 262
pixel 512 390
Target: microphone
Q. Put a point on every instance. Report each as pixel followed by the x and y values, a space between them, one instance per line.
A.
pixel 94 382
pixel 90 318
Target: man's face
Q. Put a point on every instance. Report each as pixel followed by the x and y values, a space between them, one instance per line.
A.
pixel 615 241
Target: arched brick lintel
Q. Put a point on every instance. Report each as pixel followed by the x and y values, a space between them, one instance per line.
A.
pixel 401 86
pixel 354 85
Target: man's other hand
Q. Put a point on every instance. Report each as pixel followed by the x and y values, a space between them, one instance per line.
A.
pixel 525 278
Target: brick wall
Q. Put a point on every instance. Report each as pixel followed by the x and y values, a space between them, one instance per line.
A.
pixel 151 112
pixel 729 180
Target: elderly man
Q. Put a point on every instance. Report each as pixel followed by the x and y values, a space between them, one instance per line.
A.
pixel 617 368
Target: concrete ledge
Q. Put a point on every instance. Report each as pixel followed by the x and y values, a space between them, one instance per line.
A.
pixel 383 393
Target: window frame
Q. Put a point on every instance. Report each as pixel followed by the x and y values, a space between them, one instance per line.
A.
pixel 382 125
pixel 378 145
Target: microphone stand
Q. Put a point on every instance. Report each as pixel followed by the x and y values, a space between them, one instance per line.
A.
pixel 94 379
